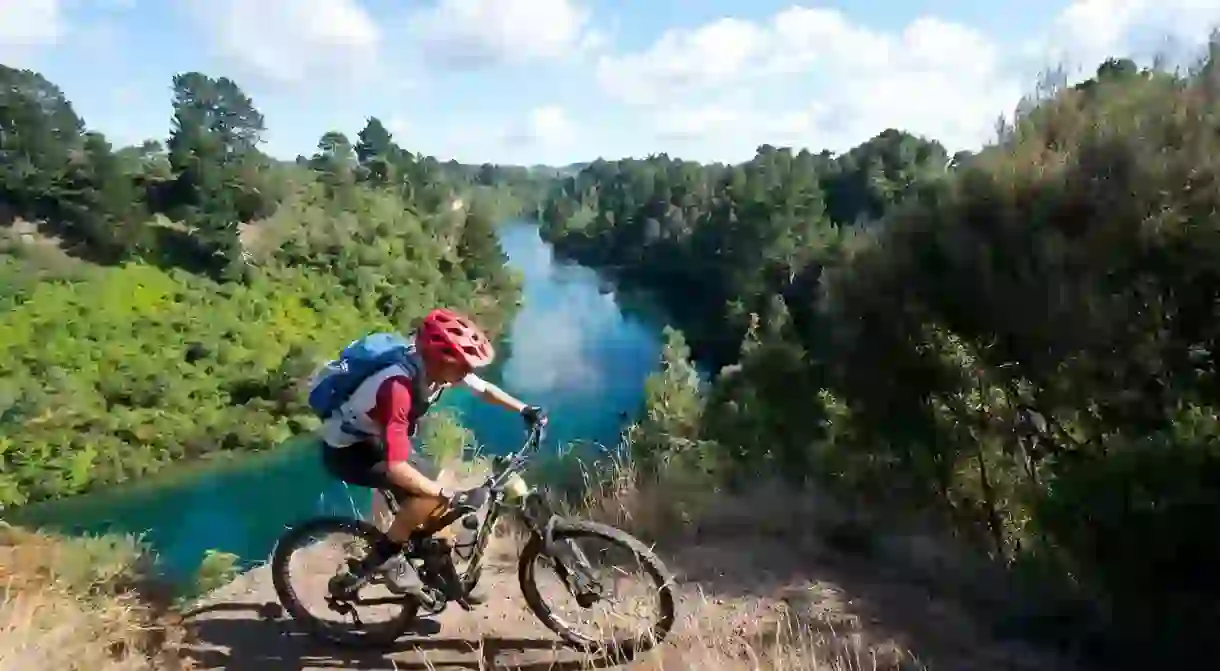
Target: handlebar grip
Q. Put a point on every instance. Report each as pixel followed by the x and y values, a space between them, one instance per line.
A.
pixel 470 498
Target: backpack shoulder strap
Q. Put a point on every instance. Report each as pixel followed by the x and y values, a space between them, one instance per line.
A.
pixel 414 367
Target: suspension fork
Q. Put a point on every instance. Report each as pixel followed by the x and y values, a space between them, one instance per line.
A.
pixel 570 562
pixel 485 531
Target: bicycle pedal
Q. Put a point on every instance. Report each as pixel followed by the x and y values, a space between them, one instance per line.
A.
pixel 466 605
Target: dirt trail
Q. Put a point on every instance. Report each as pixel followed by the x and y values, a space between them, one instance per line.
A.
pixel 733 595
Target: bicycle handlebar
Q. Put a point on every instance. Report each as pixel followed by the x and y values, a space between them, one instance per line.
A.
pixel 503 466
pixel 535 434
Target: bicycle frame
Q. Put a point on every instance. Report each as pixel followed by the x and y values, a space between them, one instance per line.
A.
pixel 506 489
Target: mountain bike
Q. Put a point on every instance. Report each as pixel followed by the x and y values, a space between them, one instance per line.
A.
pixel 551 538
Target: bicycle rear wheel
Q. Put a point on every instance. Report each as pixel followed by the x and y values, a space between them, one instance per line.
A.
pixel 656 579
pixel 402 611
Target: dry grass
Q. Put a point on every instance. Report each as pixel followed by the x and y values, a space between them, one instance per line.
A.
pixel 79 604
pixel 673 504
pixel 806 624
pixel 797 632
pixel 785 637
pixel 713 640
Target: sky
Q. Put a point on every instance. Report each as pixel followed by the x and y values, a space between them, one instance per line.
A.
pixel 559 81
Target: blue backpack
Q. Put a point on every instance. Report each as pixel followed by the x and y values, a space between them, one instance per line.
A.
pixel 338 379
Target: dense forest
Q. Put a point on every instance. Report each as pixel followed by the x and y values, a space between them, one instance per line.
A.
pixel 166 301
pixel 1020 342
pixel 718 239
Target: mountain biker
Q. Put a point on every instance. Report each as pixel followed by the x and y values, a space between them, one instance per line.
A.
pixel 387 406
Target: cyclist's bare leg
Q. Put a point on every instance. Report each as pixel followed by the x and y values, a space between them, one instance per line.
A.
pixel 384 556
pixel 413 512
pixel 380 515
pixel 421 505
pixel 418 508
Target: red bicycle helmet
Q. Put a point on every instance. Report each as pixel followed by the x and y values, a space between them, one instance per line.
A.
pixel 445 335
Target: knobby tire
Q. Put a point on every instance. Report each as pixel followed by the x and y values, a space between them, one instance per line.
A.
pixel 656 570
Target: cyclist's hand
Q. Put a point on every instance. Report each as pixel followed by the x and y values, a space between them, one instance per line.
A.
pixel 534 415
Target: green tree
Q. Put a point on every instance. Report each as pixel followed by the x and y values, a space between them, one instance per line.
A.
pixel 670 429
pixel 335 160
pixel 216 131
pixel 377 154
pixel 38 131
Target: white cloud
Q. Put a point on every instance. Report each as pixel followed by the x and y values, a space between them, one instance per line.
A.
pixel 471 34
pixel 292 41
pixel 545 125
pixel 932 77
pixel 683 61
pixel 698 122
pixel 729 131
pixel 1089 31
pixel 734 83
pixel 26 25
pixel 684 123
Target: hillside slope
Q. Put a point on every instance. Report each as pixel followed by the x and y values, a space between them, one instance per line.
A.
pixel 779 579
pixel 777 598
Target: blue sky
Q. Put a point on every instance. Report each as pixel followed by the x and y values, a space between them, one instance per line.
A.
pixel 555 81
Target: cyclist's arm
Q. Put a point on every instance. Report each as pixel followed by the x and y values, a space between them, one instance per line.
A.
pixel 392 411
pixel 492 394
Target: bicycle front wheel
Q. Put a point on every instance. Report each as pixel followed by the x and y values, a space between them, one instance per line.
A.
pixel 579 577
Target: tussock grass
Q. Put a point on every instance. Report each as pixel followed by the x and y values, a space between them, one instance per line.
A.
pixel 712 639
pixel 83 603
pixel 674 504
pixel 782 639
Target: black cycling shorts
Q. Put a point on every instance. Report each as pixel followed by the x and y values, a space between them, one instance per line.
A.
pixel 364 465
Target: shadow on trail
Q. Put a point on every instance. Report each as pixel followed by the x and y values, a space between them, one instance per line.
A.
pixel 257 637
